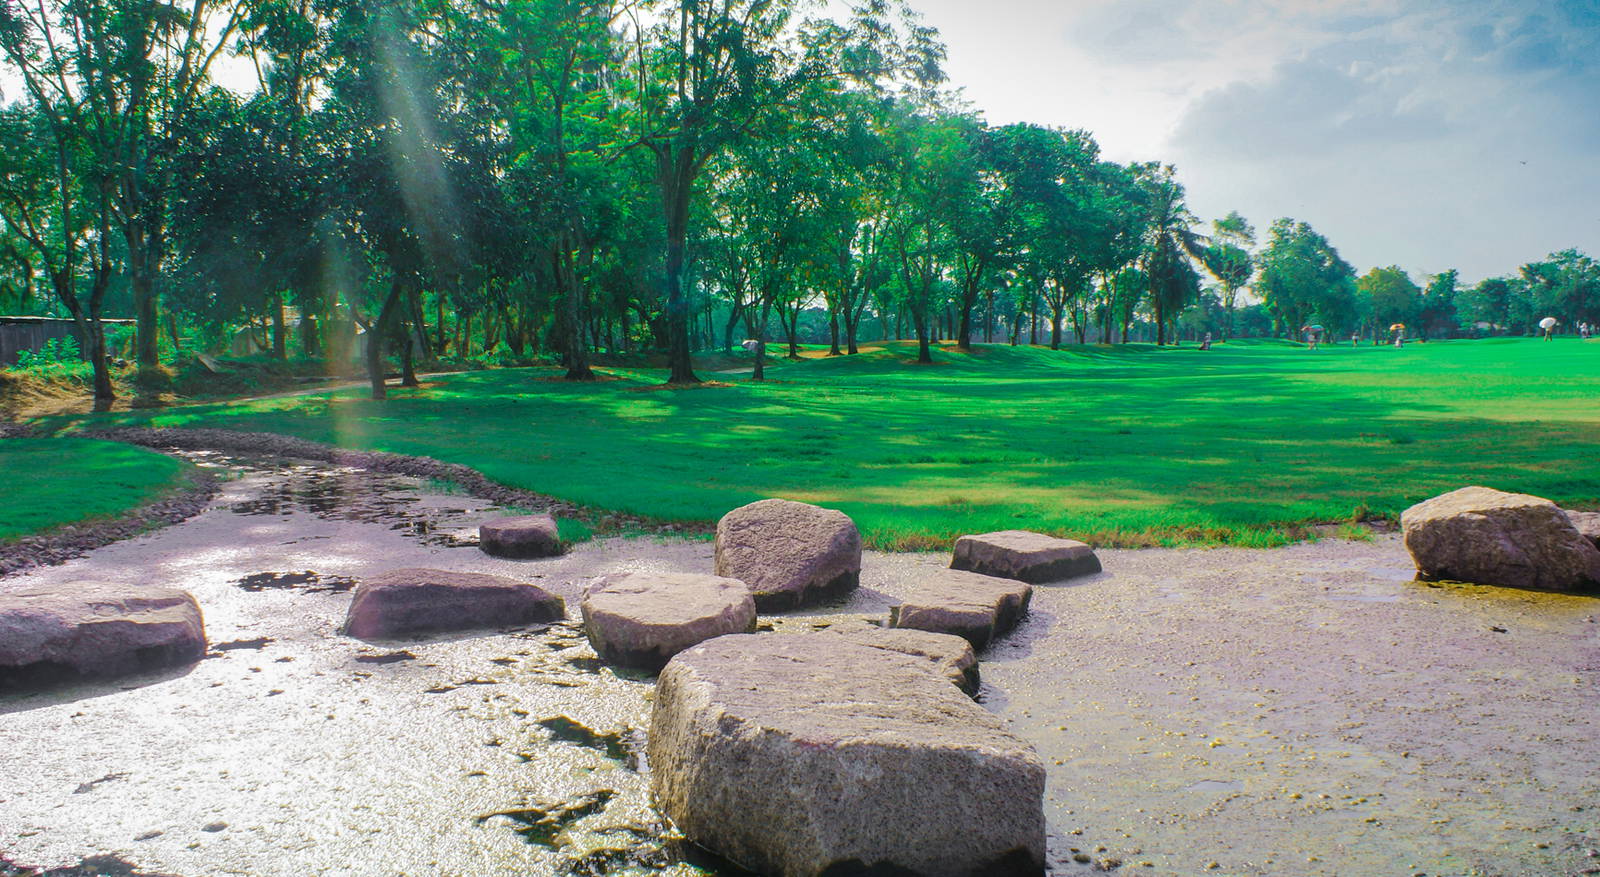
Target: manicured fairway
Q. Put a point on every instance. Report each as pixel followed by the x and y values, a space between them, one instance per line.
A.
pixel 48 482
pixel 1129 445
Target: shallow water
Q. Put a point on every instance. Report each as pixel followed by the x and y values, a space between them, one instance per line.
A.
pixel 1305 710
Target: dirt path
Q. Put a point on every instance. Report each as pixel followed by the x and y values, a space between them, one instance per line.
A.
pixel 1307 710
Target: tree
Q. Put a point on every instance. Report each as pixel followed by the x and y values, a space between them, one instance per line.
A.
pixel 1487 303
pixel 1565 285
pixel 1437 316
pixel 1302 277
pixel 1228 259
pixel 1170 244
pixel 1388 296
pixel 56 211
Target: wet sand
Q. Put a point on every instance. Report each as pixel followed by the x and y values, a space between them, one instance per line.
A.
pixel 1305 710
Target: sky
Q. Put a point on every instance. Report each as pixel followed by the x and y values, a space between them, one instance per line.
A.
pixel 1429 134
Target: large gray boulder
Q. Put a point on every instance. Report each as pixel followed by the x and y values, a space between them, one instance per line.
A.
pixel 801 755
pixel 950 657
pixel 520 537
pixel 1587 524
pixel 975 607
pixel 789 553
pixel 1477 534
pixel 642 619
pixel 1024 555
pixel 95 629
pixel 411 601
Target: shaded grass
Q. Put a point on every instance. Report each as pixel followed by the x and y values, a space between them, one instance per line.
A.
pixel 45 483
pixel 1246 444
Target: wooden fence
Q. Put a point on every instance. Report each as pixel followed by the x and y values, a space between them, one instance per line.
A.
pixel 30 333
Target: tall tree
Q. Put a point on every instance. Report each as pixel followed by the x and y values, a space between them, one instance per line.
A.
pixel 1170 244
pixel 1303 277
pixel 1229 259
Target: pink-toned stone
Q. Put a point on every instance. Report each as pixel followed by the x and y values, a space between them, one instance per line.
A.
pixel 1024 555
pixel 975 607
pixel 520 537
pixel 806 754
pixel 1587 524
pixel 1490 537
pixel 96 629
pixel 789 553
pixel 410 601
pixel 642 619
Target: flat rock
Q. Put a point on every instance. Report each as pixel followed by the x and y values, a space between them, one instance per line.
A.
pixel 97 630
pixel 789 553
pixel 642 619
pixel 408 601
pixel 520 537
pixel 1024 555
pixel 803 755
pixel 975 607
pixel 1587 524
pixel 1487 536
pixel 951 657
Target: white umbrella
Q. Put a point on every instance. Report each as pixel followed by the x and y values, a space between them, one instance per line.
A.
pixel 1548 323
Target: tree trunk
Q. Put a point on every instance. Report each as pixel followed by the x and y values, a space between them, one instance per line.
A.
pixel 172 330
pixel 143 244
pixel 760 373
pixel 676 168
pixel 92 333
pixel 280 347
pixel 377 332
pixel 572 291
pixel 408 372
pixel 833 332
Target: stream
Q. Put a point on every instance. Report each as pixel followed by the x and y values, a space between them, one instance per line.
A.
pixel 1305 710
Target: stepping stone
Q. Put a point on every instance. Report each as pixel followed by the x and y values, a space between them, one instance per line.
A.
pixel 789 553
pixel 1024 555
pixel 642 619
pixel 1587 524
pixel 807 754
pixel 410 601
pixel 951 657
pixel 95 630
pixel 520 537
pixel 975 607
pixel 1487 536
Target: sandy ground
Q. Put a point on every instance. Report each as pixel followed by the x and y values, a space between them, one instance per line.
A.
pixel 1306 710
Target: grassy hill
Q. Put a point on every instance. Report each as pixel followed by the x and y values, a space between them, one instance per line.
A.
pixel 50 482
pixel 1128 445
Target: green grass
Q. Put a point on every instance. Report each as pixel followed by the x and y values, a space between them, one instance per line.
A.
pixel 1132 445
pixel 50 482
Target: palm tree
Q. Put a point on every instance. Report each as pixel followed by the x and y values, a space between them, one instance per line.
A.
pixel 1169 245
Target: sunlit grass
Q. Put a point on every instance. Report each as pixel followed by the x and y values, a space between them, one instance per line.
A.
pixel 1244 444
pixel 45 483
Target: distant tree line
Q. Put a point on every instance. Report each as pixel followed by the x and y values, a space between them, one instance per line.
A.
pixel 555 178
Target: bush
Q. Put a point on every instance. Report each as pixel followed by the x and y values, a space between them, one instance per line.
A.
pixel 57 355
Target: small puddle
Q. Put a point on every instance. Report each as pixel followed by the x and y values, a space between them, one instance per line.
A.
pixel 541 824
pixel 617 745
pixel 356 495
pixel 308 581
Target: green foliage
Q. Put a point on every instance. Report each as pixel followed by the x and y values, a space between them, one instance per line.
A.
pixel 1242 444
pixel 57 354
pixel 1303 280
